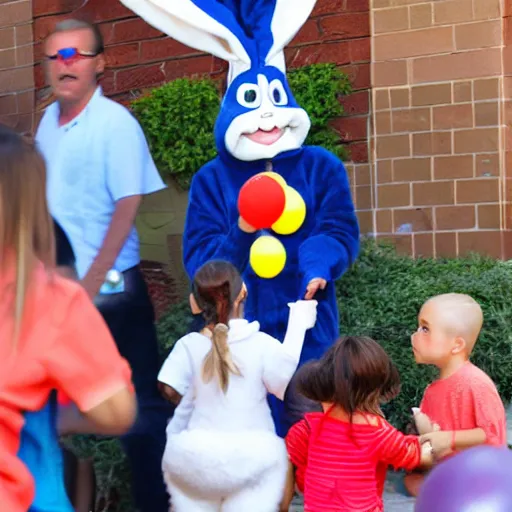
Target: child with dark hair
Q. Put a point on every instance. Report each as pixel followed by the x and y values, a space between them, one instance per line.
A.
pixel 340 456
pixel 222 450
pixel 65 256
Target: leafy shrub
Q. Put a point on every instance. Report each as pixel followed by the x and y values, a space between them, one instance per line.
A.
pixel 178 118
pixel 112 471
pixel 317 89
pixel 173 326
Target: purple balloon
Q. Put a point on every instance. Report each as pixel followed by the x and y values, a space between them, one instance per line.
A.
pixel 476 480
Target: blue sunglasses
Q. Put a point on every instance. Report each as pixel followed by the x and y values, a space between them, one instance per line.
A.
pixel 71 53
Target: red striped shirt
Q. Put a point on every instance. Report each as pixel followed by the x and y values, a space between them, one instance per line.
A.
pixel 341 467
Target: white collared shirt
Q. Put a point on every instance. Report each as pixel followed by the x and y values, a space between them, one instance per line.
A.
pixel 93 161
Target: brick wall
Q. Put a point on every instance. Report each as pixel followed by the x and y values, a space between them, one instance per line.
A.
pixel 16 61
pixel 438 126
pixel 338 31
pixel 506 113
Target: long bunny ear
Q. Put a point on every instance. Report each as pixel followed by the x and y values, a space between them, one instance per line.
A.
pixel 204 25
pixel 287 20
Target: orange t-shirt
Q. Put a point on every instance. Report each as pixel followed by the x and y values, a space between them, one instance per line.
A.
pixel 64 344
pixel 466 400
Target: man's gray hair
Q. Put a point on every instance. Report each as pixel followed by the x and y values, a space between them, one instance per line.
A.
pixel 73 24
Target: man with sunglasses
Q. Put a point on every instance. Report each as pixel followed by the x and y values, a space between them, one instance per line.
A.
pixel 99 167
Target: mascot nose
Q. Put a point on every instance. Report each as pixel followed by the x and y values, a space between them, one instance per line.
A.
pixel 266 115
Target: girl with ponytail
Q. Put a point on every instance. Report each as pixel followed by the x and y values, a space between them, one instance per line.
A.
pixel 222 450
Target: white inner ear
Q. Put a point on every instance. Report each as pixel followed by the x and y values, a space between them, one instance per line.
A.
pixel 289 16
pixel 184 21
pixel 236 68
pixel 278 61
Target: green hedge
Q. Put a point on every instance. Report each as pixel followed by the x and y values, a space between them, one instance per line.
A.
pixel 380 296
pixel 178 118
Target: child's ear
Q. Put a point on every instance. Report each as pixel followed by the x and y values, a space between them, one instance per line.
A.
pixel 459 345
pixel 196 310
pixel 241 296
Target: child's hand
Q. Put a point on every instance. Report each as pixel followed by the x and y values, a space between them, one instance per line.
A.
pixel 245 226
pixel 313 286
pixel 427 456
pixel 423 423
pixel 441 442
pixel 303 313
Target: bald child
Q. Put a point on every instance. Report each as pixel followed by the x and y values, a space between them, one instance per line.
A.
pixel 463 405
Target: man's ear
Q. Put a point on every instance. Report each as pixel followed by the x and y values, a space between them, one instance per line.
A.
pixel 196 310
pixel 100 64
pixel 459 345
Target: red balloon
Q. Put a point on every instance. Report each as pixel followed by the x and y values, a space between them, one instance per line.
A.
pixel 261 201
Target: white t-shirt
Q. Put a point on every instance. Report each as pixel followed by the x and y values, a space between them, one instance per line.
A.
pixel 95 160
pixel 266 365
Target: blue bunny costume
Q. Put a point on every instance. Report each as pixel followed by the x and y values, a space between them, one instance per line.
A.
pixel 251 36
pixel 260 127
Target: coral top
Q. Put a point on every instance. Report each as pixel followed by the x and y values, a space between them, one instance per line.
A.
pixel 342 466
pixel 65 345
pixel 466 400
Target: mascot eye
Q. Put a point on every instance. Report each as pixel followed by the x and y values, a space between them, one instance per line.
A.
pixel 248 95
pixel 277 93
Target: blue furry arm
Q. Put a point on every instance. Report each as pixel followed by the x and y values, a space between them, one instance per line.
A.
pixel 333 244
pixel 210 231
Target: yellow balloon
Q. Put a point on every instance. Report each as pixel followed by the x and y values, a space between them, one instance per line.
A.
pixel 294 213
pixel 267 257
pixel 275 176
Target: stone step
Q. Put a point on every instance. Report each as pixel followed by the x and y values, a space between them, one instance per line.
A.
pixel 392 502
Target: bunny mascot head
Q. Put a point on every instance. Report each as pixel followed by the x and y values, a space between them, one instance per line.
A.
pixel 260 125
pixel 259 117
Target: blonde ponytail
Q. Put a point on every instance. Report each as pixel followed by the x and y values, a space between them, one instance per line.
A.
pixel 23 270
pixel 218 362
pixel 26 228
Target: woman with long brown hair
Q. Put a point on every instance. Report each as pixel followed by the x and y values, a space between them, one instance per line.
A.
pixel 51 335
pixel 222 449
